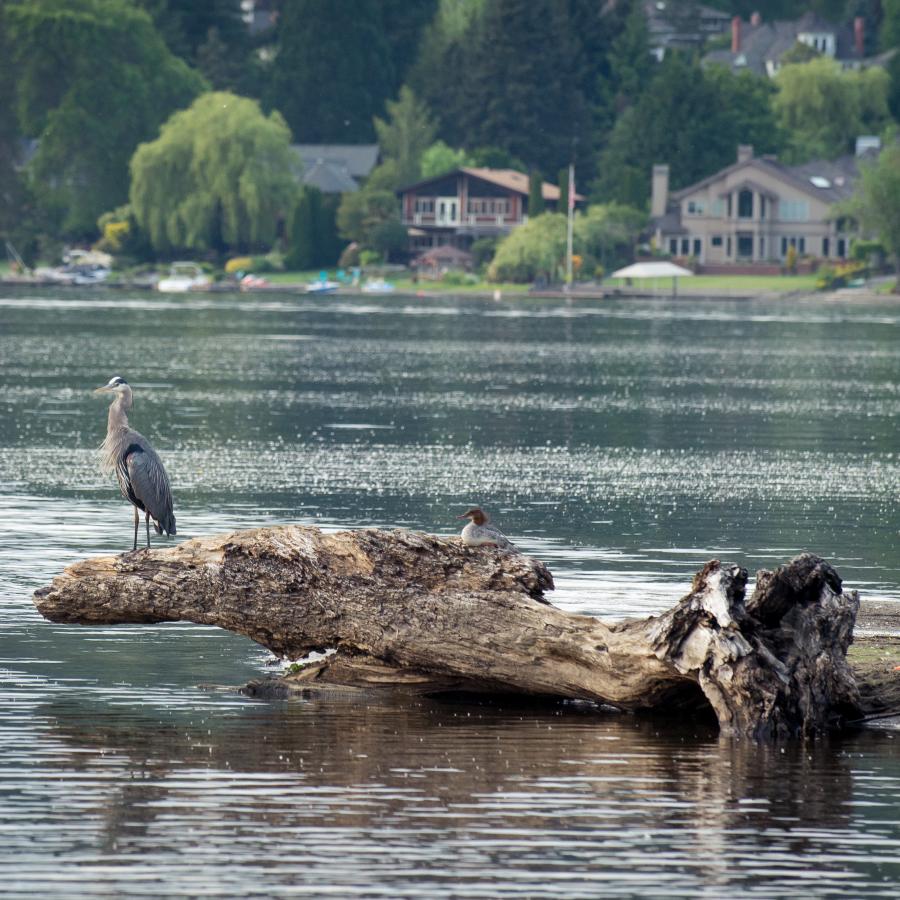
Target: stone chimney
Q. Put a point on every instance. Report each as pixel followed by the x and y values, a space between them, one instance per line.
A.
pixel 736 34
pixel 859 35
pixel 756 20
pixel 659 194
pixel 745 152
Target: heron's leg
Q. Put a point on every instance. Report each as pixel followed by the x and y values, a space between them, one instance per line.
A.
pixel 147 522
pixel 137 519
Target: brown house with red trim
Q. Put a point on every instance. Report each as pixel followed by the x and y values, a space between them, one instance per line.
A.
pixel 469 203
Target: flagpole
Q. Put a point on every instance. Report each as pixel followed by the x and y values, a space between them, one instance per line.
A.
pixel 569 229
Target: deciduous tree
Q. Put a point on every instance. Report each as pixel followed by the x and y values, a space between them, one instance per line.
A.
pixel 93 80
pixel 822 107
pixel 876 201
pixel 536 249
pixel 219 177
pixel 440 158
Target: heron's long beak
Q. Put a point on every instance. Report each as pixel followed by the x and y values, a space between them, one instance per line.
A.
pixel 106 389
pixel 463 517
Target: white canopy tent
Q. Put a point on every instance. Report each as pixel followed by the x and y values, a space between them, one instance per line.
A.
pixel 660 269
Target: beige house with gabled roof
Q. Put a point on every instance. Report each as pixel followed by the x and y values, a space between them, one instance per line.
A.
pixel 755 210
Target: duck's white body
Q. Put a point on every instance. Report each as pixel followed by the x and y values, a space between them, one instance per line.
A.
pixel 476 535
pixel 477 532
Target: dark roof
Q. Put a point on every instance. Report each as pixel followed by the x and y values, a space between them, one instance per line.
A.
pixel 769 41
pixel 670 223
pixel 357 159
pixel 510 179
pixel 329 178
pixel 336 168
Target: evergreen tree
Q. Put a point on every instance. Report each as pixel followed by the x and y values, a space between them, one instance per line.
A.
pixel 689 118
pixel 535 193
pixel 185 25
pixel 301 233
pixel 630 65
pixel 522 72
pixel 403 24
pixel 889 33
pixel 406 135
pixel 11 187
pixel 446 47
pixel 563 190
pixel 333 71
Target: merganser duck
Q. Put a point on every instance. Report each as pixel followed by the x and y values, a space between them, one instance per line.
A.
pixel 478 533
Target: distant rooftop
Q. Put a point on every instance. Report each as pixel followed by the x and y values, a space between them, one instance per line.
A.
pixel 336 168
pixel 759 46
pixel 510 179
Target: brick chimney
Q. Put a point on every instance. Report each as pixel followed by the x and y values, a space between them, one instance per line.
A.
pixel 659 193
pixel 745 152
pixel 756 20
pixel 859 35
pixel 736 34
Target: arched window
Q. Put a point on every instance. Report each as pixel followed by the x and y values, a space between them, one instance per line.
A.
pixel 745 204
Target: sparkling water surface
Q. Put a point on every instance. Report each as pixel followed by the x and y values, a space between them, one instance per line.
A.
pixel 624 442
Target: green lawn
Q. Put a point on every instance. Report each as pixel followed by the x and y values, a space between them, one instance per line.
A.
pixel 724 284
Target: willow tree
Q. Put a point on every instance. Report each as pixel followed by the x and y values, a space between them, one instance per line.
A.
pixel 536 249
pixel 823 107
pixel 220 177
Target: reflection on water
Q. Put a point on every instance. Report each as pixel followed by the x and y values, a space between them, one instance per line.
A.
pixel 625 443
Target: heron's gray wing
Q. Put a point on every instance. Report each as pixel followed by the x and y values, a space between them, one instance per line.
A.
pixel 148 484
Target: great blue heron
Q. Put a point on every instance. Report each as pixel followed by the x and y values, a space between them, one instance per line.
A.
pixel 141 475
pixel 478 532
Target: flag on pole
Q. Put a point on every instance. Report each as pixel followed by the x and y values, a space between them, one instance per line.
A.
pixel 571 187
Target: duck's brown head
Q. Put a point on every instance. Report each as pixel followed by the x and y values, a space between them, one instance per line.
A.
pixel 476 514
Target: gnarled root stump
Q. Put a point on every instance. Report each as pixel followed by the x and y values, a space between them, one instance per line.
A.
pixel 405 607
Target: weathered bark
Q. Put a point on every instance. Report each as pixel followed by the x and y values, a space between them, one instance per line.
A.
pixel 403 607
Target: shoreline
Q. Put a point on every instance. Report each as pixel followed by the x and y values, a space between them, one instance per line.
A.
pixel 843 295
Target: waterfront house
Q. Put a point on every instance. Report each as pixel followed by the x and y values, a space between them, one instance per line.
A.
pixel 469 203
pixel 755 210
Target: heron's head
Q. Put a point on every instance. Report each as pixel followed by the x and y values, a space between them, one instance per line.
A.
pixel 116 385
pixel 476 514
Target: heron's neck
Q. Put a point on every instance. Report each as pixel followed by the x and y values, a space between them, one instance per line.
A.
pixel 117 417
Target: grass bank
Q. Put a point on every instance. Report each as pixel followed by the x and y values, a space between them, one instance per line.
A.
pixel 723 285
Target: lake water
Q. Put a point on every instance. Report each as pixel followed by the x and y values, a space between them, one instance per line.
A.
pixel 623 442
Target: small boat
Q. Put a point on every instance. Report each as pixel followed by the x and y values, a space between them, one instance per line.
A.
pixel 251 282
pixel 377 286
pixel 182 277
pixel 322 286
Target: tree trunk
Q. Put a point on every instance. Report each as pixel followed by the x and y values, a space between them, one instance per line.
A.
pixel 404 607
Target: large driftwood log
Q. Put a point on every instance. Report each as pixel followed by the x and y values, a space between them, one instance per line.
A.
pixel 405 607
